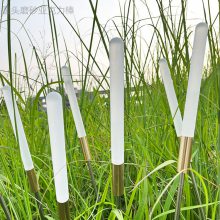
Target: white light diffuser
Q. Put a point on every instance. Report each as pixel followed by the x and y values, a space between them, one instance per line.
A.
pixel 195 76
pixel 116 52
pixel 57 142
pixel 16 122
pixel 171 96
pixel 69 88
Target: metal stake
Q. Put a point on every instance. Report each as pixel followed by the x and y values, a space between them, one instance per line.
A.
pixel 63 210
pixel 35 189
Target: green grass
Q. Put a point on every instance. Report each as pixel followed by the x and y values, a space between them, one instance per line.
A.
pixel 151 145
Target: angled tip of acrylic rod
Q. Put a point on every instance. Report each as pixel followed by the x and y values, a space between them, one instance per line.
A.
pixel 162 61
pixel 201 32
pixel 69 88
pixel 6 87
pixel 116 40
pixel 171 96
pixel 202 26
pixel 66 74
pixel 53 96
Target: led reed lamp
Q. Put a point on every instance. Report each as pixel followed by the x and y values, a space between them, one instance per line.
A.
pixel 116 57
pixel 191 105
pixel 69 88
pixel 57 142
pixel 177 118
pixel 23 144
pixel 192 96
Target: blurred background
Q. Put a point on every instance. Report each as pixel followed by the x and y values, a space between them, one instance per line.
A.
pixel 31 28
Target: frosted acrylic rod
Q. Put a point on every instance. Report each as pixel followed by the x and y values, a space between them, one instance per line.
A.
pixel 117 100
pixel 73 102
pixel 171 96
pixel 195 76
pixel 57 142
pixel 16 121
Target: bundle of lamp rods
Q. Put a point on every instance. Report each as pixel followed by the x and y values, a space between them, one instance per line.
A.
pixel 185 127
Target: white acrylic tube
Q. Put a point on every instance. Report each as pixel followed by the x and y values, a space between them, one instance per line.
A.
pixel 117 100
pixel 69 88
pixel 16 122
pixel 171 96
pixel 195 76
pixel 57 142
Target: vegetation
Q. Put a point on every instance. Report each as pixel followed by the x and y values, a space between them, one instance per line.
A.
pixel 151 145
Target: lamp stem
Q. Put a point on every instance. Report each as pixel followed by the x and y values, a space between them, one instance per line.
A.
pixel 179 197
pixel 87 157
pixel 118 202
pixel 184 154
pixel 92 177
pixel 118 184
pixel 4 207
pixel 197 193
pixel 39 204
pixel 63 210
pixel 183 164
pixel 35 189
